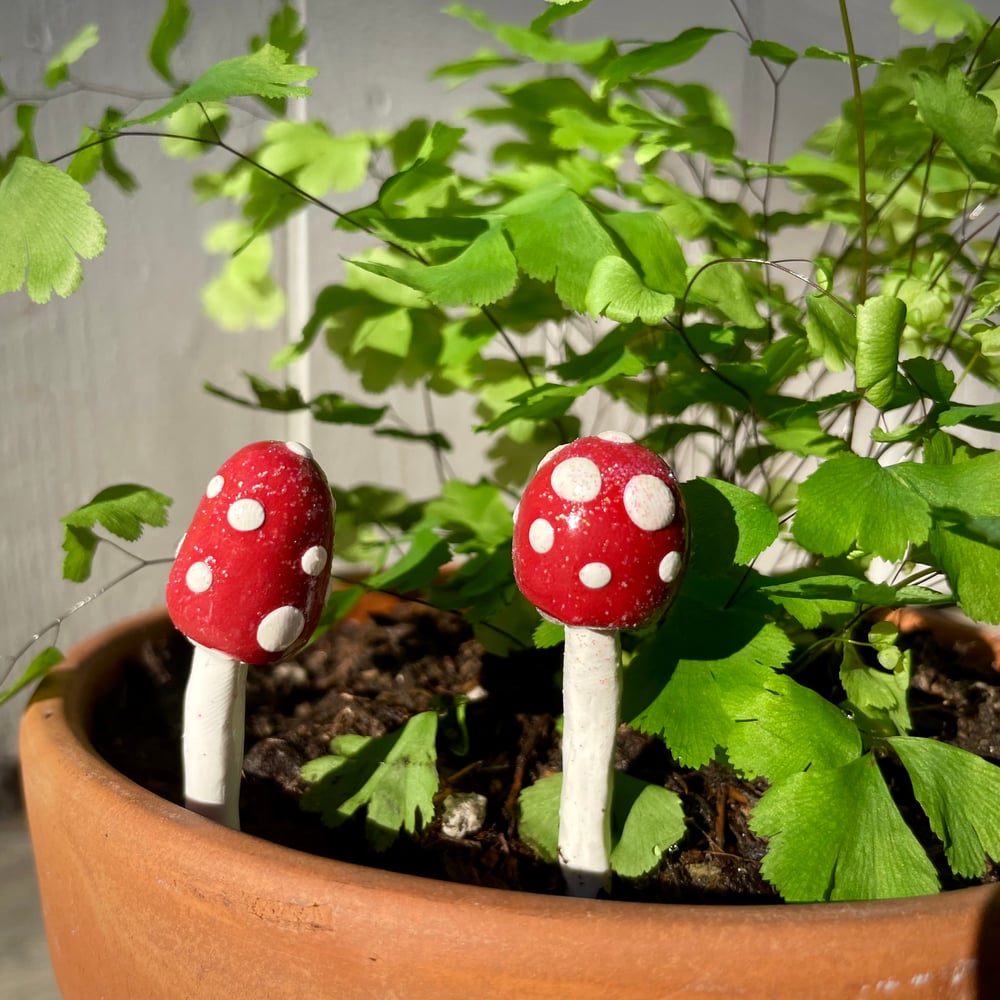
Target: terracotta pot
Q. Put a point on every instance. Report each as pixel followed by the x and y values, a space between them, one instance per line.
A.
pixel 146 901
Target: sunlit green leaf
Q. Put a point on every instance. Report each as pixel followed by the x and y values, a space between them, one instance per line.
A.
pixel 577 130
pixel 123 510
pixel 367 288
pixel 804 436
pixel 782 728
pixel 722 286
pixel 645 819
pixel 616 291
pixel 39 666
pixel 548 634
pixel 80 546
pixel 819 52
pixel 557 238
pixel 538 46
pixel 686 684
pixel 48 225
pixel 960 792
pixel 973 568
pixel 652 243
pixel 756 524
pixel 393 778
pixel 969 486
pixel 775 51
pixel 475 511
pixel 25 115
pixel 811 597
pixel 550 400
pixel 931 377
pixel 880 323
pixel 946 17
pixel 877 693
pixel 423 560
pixel 57 69
pixel 203 123
pixel 652 58
pixel 610 358
pixel 387 331
pixel 243 294
pixel 169 33
pixel 482 273
pixel 831 330
pixel 836 834
pixel 965 120
pixel 316 159
pixel 264 73
pixel 985 417
pixel 464 69
pixel 285 30
pixel 849 500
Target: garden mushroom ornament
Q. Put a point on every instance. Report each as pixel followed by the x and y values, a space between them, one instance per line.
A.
pixel 600 544
pixel 247 586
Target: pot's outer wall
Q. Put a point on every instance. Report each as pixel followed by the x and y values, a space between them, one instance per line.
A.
pixel 145 901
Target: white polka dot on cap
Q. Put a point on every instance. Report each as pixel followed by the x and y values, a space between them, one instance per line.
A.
pixel 280 628
pixel 670 566
pixel 198 577
pixel 595 575
pixel 541 535
pixel 246 514
pixel 314 560
pixel 577 479
pixel 648 502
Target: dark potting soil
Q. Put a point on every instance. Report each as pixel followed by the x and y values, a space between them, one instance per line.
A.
pixel 368 678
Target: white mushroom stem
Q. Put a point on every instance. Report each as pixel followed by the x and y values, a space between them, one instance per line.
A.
pixel 591 703
pixel 214 719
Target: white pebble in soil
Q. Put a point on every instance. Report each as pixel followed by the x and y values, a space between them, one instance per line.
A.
pixel 463 815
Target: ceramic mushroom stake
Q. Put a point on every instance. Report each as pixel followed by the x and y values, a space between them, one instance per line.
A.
pixel 600 543
pixel 247 587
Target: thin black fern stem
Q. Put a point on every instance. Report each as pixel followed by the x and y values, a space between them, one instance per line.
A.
pixel 439 459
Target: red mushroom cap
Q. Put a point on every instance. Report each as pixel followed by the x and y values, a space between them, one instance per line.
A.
pixel 600 534
pixel 252 573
